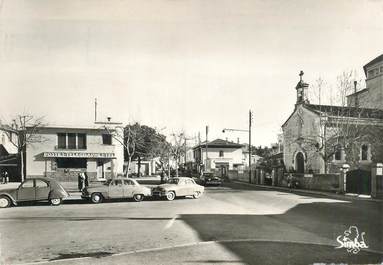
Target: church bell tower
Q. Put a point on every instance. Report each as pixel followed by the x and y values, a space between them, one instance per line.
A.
pixel 302 90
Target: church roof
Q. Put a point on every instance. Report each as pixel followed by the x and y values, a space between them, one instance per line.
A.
pixel 352 112
pixel 374 61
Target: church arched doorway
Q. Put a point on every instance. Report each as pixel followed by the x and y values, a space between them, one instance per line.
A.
pixel 300 163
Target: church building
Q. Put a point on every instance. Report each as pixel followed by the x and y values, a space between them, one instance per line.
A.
pixel 322 138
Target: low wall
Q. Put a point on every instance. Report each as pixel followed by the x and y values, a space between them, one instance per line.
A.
pixel 241 175
pixel 323 182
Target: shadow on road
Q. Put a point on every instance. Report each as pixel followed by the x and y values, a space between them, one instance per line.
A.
pixel 305 234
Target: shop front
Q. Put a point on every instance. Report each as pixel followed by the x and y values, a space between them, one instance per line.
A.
pixel 65 166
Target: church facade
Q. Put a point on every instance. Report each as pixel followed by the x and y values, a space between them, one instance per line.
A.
pixel 322 138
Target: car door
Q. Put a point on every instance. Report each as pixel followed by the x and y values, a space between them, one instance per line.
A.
pixel 181 188
pixel 190 187
pixel 116 189
pixel 26 191
pixel 42 189
pixel 129 188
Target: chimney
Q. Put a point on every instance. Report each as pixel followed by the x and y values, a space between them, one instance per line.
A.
pixel 109 118
pixel 237 140
pixel 356 95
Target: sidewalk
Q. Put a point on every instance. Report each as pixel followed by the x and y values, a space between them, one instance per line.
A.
pixel 311 192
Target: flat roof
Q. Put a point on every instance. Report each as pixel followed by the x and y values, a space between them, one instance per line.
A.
pixel 98 126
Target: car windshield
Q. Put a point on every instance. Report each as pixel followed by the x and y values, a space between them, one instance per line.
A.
pixel 173 181
pixel 108 182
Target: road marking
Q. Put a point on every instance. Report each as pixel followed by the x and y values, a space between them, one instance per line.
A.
pixel 199 243
pixel 170 223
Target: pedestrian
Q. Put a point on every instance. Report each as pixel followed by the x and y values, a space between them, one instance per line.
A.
pixel 86 181
pixel 162 177
pixel 6 177
pixel 81 181
pixel 290 181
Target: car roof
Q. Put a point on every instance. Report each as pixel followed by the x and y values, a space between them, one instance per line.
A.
pixel 42 178
pixel 184 178
pixel 51 181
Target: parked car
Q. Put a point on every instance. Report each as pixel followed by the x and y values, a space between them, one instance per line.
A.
pixel 116 189
pixel 177 187
pixel 210 179
pixel 34 189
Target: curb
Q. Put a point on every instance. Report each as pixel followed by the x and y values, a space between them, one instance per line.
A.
pixel 310 192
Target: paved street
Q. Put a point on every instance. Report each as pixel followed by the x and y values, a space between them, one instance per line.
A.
pixel 233 224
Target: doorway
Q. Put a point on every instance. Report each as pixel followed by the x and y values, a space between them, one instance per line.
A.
pixel 358 181
pixel 300 163
pixel 100 170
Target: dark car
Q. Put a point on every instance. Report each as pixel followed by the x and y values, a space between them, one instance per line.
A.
pixel 209 179
pixel 34 189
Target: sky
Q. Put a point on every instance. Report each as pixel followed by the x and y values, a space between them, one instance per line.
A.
pixel 178 65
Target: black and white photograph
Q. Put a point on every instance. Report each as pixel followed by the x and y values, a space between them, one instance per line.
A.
pixel 138 132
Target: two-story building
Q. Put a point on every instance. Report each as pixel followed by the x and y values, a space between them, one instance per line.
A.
pixel 63 151
pixel 372 95
pixel 218 155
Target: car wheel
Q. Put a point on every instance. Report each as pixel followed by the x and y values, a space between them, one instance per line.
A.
pixel 196 194
pixel 138 197
pixel 55 201
pixel 4 202
pixel 170 196
pixel 96 198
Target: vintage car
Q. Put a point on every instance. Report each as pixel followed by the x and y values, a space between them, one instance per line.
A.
pixel 210 179
pixel 177 187
pixel 116 189
pixel 34 189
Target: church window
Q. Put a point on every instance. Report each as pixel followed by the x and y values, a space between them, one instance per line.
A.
pixel 364 152
pixel 338 155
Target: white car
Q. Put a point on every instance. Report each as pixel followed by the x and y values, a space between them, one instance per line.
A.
pixel 177 187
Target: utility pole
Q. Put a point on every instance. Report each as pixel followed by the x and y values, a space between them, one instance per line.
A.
pixel 95 110
pixel 250 149
pixel 207 132
pixel 248 131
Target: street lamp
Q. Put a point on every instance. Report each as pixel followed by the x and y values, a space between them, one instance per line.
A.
pixel 249 131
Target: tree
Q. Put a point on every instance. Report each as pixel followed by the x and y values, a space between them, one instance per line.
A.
pixel 119 135
pixel 26 127
pixel 142 142
pixel 177 147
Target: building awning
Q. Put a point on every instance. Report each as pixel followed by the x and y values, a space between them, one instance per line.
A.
pixel 78 155
pixel 9 161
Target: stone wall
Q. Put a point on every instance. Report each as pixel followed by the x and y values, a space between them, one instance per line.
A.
pixel 322 182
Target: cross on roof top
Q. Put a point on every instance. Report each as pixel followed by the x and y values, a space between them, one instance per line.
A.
pixel 301 74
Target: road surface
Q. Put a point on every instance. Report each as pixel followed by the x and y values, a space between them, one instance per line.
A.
pixel 232 224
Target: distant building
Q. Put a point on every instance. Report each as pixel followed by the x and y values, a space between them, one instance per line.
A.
pixel 372 95
pixel 147 167
pixel 245 157
pixel 64 151
pixel 222 156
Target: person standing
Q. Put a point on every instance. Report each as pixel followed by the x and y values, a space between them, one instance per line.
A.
pixel 81 181
pixel 86 180
pixel 6 177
